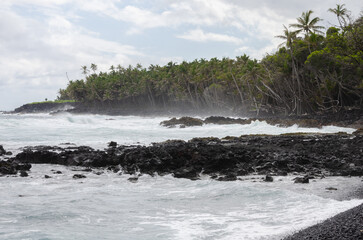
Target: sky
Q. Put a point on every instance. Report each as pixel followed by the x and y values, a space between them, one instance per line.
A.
pixel 44 43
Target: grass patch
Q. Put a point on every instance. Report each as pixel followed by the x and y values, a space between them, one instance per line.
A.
pixel 55 101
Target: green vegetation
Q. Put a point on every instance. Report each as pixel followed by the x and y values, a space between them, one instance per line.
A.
pixel 311 71
pixel 56 101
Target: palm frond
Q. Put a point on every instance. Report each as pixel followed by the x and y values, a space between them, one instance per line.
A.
pixel 280 36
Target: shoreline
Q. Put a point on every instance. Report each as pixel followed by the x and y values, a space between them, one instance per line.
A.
pixel 346 225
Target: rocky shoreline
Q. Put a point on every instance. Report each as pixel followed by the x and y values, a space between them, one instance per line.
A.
pixel 46 107
pixel 304 121
pixel 311 155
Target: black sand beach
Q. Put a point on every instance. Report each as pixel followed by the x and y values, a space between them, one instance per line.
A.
pixel 346 225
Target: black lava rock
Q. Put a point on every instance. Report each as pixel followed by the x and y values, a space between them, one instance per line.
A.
pixel 185 121
pixel 190 173
pixel 229 177
pixel 133 179
pixel 301 180
pixel 12 167
pixel 77 176
pixel 2 150
pixel 269 178
pixel 112 144
pixel 334 154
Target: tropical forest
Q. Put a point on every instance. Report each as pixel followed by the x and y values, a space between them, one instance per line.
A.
pixel 314 70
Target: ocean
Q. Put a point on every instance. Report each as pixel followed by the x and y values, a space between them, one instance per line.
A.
pixel 108 206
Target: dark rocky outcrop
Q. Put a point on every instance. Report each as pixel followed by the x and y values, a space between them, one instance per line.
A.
pixel 183 121
pixel 7 168
pixel 304 179
pixel 269 178
pixel 72 156
pixel 188 121
pixel 225 159
pixel 133 179
pixel 359 131
pixel 226 120
pixel 350 119
pixel 46 107
pixel 2 150
pixel 112 144
pixel 78 176
pixel 12 167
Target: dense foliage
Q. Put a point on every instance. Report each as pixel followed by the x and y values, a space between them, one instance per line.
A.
pixel 312 71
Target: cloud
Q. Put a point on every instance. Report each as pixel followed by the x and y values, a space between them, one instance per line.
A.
pixel 36 53
pixel 31 48
pixel 256 53
pixel 252 16
pixel 199 35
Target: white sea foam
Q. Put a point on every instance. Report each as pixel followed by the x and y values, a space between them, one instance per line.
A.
pixel 110 207
pixel 97 130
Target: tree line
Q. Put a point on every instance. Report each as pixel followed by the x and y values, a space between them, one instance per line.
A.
pixel 313 70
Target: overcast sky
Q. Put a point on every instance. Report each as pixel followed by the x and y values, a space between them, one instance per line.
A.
pixel 42 40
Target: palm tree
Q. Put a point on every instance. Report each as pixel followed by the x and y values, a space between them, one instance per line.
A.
pixel 112 69
pixel 94 67
pixel 315 40
pixel 306 24
pixel 340 11
pixel 85 70
pixel 288 36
